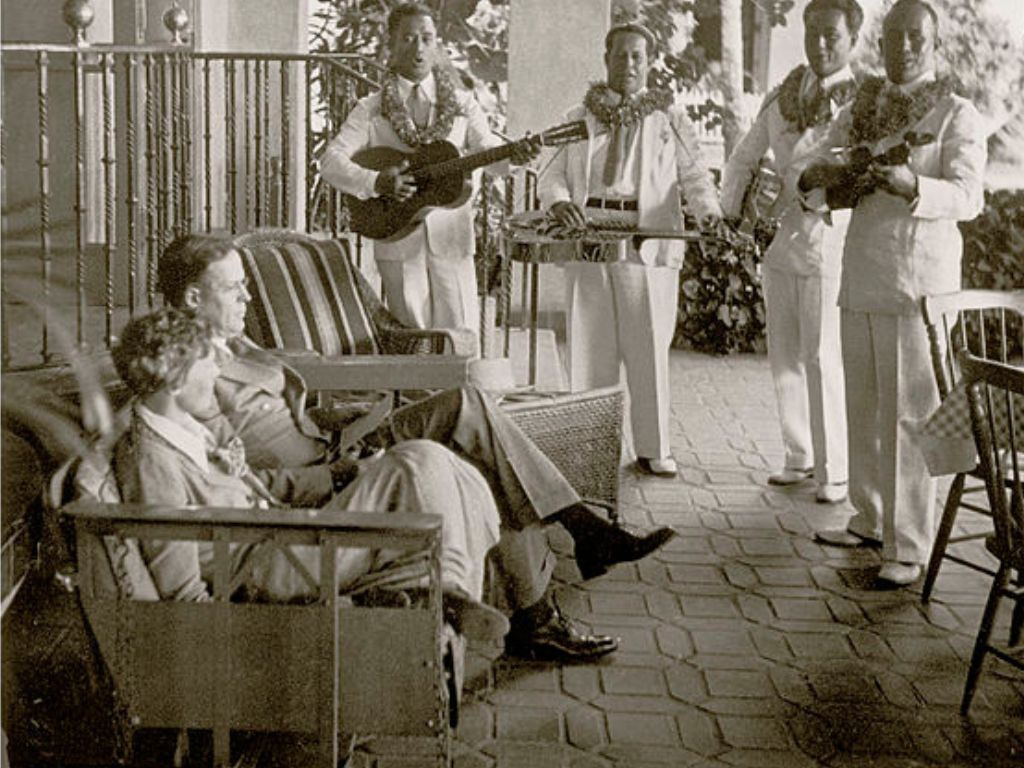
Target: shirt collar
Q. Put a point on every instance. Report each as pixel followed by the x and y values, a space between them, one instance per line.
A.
pixel 837 77
pixel 913 85
pixel 190 437
pixel 811 80
pixel 222 350
pixel 427 84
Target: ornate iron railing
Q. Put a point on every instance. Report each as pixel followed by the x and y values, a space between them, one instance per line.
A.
pixel 111 151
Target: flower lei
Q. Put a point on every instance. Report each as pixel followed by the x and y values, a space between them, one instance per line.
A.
pixel 230 456
pixel 629 111
pixel 880 111
pixel 393 110
pixel 801 115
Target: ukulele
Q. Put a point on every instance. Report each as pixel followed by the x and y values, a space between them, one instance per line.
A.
pixel 848 193
pixel 442 180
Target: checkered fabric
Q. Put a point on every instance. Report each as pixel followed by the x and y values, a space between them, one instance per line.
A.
pixel 952 419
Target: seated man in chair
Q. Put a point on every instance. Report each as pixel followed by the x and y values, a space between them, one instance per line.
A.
pixel 167 457
pixel 265 400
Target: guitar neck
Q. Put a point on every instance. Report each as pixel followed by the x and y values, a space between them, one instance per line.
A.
pixel 467 164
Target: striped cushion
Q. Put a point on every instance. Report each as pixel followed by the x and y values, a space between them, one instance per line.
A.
pixel 305 296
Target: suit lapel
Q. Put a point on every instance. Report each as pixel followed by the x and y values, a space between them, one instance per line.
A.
pixel 249 364
pixel 581 154
pixel 647 149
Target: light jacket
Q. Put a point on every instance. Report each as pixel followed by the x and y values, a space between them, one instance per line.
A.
pixel 447 232
pixel 897 251
pixel 670 164
pixel 270 419
pixel 152 468
pixel 807 242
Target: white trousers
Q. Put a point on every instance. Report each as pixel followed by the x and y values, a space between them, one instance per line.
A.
pixel 806 358
pixel 418 477
pixel 625 313
pixel 889 380
pixel 431 291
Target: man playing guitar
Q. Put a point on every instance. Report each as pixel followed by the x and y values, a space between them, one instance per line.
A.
pixel 429 276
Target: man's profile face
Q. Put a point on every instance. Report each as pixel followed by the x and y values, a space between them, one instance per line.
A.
pixel 626 63
pixel 221 296
pixel 908 43
pixel 414 47
pixel 827 41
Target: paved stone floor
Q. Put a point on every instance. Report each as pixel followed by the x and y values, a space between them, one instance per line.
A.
pixel 743 641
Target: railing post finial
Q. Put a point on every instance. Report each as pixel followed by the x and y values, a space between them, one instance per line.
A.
pixel 176 20
pixel 78 14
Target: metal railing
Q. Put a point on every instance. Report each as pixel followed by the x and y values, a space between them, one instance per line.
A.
pixel 111 151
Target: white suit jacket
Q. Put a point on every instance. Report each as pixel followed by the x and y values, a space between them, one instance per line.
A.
pixel 447 232
pixel 806 243
pixel 670 161
pixel 896 252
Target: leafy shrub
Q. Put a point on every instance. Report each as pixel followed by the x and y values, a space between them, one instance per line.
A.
pixel 994 243
pixel 721 302
pixel 994 253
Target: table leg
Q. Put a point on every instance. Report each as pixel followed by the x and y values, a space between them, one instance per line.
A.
pixel 534 279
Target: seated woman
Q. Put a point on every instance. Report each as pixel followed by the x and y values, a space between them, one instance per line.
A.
pixel 168 457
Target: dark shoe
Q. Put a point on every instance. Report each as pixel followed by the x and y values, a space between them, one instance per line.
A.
pixel 600 544
pixel 558 639
pixel 595 555
pixel 839 537
pixel 665 467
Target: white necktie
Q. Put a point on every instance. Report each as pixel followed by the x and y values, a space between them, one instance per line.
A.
pixel 419 107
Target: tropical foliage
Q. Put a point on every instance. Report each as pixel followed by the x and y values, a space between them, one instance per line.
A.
pixel 721 303
pixel 976 47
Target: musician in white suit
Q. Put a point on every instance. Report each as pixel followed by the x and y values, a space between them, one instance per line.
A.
pixel 801 267
pixel 903 243
pixel 428 275
pixel 641 153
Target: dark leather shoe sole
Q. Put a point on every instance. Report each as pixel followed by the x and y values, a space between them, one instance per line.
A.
pixel 582 649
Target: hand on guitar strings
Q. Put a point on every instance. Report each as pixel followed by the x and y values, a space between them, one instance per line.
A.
pixel 395 182
pixel 725 231
pixel 897 180
pixel 525 150
pixel 568 214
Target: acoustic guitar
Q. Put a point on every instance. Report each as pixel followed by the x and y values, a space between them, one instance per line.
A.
pixel 442 180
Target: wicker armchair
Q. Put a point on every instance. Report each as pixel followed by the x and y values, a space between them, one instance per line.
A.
pixel 308 295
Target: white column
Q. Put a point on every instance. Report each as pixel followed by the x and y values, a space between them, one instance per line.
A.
pixel 556 49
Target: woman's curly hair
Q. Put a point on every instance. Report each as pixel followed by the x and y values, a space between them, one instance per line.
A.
pixel 159 349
